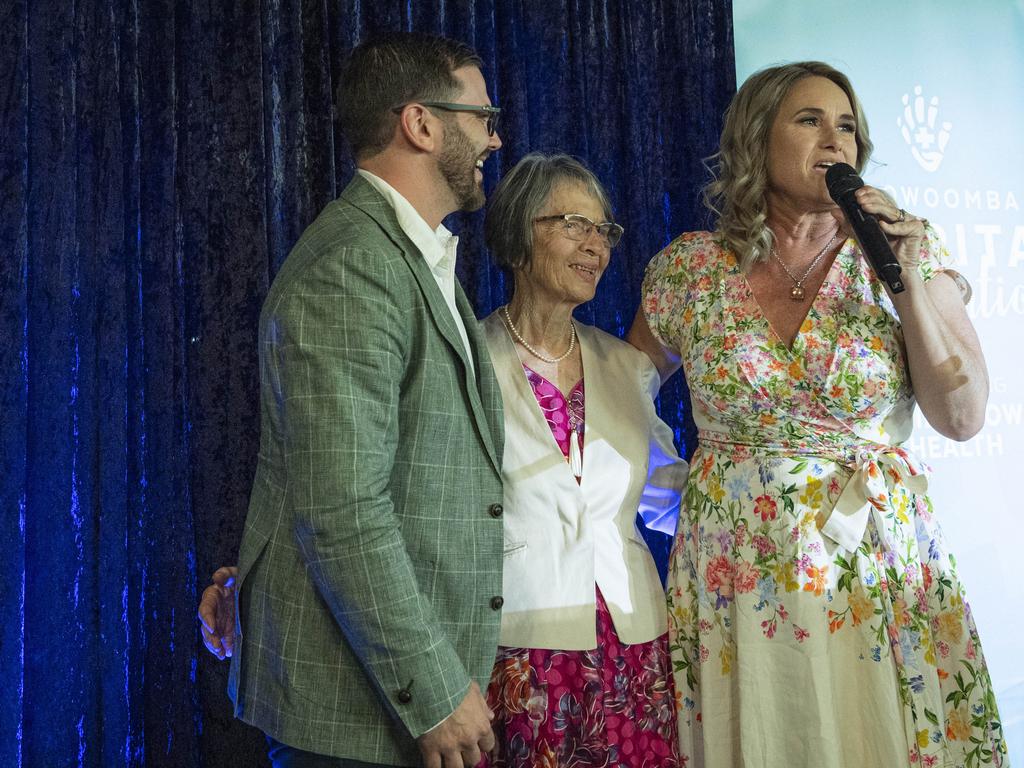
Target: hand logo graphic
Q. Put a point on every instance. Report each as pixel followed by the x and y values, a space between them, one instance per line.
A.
pixel 917 125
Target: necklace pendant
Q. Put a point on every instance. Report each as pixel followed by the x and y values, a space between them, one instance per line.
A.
pixel 796 293
pixel 575 455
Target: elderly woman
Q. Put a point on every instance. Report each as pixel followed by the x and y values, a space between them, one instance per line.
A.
pixel 816 618
pixel 582 675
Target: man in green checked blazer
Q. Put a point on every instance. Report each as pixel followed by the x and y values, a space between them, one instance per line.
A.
pixel 370 566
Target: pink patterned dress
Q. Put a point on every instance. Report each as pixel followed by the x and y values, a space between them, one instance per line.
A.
pixel 607 707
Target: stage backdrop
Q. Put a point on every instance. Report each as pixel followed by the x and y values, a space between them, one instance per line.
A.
pixel 943 87
pixel 157 161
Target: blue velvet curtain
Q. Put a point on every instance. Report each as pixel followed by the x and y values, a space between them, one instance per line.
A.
pixel 157 161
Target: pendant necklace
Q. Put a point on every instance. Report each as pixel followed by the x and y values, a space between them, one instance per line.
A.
pixel 796 293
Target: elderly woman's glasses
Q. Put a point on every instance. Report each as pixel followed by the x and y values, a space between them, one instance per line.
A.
pixel 576 226
pixel 489 113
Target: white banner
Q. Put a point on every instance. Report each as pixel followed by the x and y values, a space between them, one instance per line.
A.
pixel 943 87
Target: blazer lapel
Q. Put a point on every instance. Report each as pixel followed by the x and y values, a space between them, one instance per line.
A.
pixel 486 406
pixel 519 398
pixel 612 413
pixel 363 196
pixel 484 395
pixel 596 402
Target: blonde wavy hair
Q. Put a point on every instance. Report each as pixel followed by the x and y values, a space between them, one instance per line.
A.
pixel 736 194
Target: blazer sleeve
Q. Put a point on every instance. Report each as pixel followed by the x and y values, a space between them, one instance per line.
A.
pixel 337 348
pixel 667 472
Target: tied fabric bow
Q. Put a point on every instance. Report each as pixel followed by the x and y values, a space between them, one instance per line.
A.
pixel 869 492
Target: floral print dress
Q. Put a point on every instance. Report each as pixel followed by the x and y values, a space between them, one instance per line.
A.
pixel 608 707
pixel 816 617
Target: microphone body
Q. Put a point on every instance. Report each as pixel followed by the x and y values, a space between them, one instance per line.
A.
pixel 842 181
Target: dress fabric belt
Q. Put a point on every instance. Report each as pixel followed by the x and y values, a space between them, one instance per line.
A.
pixel 877 471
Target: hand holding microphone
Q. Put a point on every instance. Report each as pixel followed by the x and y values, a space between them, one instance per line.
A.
pixel 843 182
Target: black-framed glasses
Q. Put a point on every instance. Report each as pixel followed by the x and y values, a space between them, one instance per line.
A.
pixel 490 114
pixel 576 226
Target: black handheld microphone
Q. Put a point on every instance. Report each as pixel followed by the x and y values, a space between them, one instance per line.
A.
pixel 842 181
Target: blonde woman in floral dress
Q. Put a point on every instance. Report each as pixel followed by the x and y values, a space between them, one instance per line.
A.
pixel 816 617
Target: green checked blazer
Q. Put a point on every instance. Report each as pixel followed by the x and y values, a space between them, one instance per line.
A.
pixel 370 566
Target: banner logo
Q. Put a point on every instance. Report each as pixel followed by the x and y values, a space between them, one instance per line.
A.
pixel 918 126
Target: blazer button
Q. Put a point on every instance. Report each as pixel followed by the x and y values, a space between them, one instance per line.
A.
pixel 405 694
pixel 495 510
pixel 497 602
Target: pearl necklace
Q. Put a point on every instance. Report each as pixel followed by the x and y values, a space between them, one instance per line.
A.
pixel 518 337
pixel 796 293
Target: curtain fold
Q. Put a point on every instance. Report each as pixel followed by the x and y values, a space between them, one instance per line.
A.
pixel 157 161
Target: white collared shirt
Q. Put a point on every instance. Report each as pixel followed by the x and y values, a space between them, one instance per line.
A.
pixel 437 246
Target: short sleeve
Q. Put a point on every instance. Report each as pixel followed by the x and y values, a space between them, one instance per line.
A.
pixel 935 259
pixel 666 283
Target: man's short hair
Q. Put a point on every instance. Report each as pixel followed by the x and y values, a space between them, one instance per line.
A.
pixel 389 71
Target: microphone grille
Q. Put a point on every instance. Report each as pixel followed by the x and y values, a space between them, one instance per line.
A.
pixel 841 179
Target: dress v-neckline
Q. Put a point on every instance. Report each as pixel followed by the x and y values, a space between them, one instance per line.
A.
pixel 538 409
pixel 791 347
pixel 558 389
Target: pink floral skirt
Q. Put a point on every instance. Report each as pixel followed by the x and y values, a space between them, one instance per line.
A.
pixel 609 707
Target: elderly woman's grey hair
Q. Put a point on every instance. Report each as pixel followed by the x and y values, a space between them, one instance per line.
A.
pixel 739 170
pixel 519 198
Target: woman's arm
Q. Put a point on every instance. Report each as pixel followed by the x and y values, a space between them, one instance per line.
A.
pixel 947 367
pixel 665 360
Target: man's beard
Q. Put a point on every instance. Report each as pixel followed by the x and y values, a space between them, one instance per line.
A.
pixel 458 166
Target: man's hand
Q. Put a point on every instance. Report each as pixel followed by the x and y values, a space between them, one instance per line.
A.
pixel 217 613
pixel 460 739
